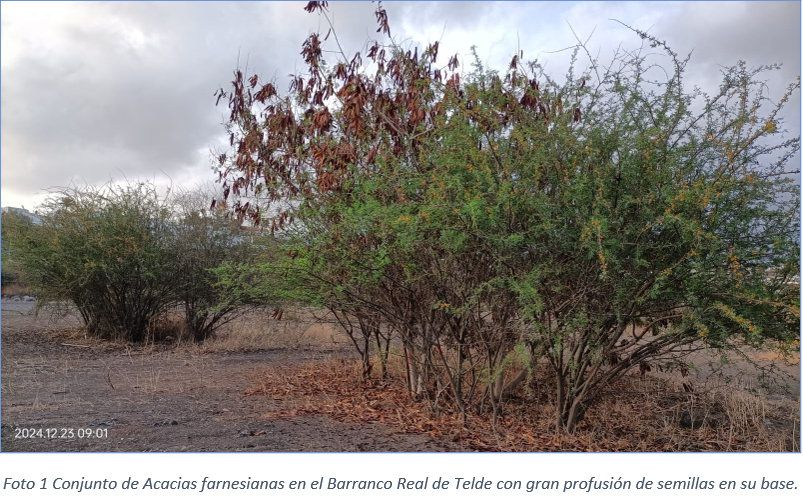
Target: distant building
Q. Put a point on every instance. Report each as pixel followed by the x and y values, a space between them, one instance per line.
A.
pixel 35 219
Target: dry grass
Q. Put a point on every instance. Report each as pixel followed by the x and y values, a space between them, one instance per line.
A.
pixel 253 331
pixel 637 414
pixel 258 330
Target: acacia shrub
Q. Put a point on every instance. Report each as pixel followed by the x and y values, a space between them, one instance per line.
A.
pixel 205 240
pixel 107 250
pixel 600 221
pixel 346 183
pixel 654 221
pixel 13 225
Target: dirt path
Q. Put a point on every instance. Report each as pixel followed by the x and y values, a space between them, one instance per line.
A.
pixel 169 399
pixel 63 392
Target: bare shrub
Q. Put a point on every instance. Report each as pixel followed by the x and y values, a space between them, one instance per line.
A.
pixel 206 238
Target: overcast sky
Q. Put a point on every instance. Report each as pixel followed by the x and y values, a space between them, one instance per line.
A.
pixel 94 92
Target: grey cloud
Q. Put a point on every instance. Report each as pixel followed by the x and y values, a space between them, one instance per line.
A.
pixel 127 87
pixel 722 33
pixel 97 102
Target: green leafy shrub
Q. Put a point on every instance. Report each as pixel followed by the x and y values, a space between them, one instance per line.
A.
pixel 603 221
pixel 127 256
pixel 107 251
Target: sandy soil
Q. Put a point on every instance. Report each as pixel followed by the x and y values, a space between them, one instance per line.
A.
pixel 160 398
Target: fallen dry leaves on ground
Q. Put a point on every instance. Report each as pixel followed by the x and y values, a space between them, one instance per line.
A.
pixel 643 415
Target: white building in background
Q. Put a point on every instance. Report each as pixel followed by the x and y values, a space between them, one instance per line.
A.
pixel 23 213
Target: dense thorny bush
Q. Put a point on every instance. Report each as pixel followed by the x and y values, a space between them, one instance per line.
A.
pixel 106 251
pixel 125 255
pixel 606 220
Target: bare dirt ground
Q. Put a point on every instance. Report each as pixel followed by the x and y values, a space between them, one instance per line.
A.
pixel 270 385
pixel 162 398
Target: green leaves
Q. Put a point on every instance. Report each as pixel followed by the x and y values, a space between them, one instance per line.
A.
pixel 107 251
